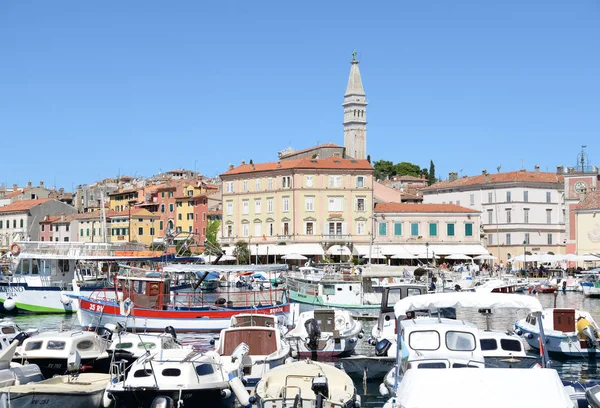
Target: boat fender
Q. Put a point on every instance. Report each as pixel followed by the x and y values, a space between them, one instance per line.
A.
pixel 383 390
pixel 65 300
pixel 357 401
pixel 9 304
pixel 225 393
pixel 361 334
pixel 352 339
pixel 239 390
pixel 162 401
pixel 294 354
pixel 519 332
pixel 528 336
pixel 106 400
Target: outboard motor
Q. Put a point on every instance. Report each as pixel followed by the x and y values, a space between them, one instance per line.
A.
pixel 590 333
pixel 592 395
pixel 105 333
pixel 321 389
pixel 382 347
pixel 21 337
pixel 162 401
pixel 171 330
pixel 314 333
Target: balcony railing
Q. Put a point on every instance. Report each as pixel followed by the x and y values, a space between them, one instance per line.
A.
pixel 226 240
pixel 284 238
pixel 337 238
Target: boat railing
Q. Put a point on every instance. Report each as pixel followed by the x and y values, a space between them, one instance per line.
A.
pixel 325 277
pixel 77 249
pixel 216 301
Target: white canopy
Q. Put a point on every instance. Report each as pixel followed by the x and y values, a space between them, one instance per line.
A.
pixel 458 256
pixel 374 256
pixel 490 387
pixel 295 257
pixel 484 257
pixel 467 300
pixel 339 250
pixel 404 256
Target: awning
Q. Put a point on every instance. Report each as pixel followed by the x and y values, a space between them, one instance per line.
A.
pixel 339 250
pixel 413 249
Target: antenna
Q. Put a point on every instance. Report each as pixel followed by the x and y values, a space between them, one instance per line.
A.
pixel 499 168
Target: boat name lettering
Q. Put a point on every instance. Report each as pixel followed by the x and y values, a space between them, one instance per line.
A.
pixel 97 308
pixel 12 289
pixel 40 402
pixel 276 310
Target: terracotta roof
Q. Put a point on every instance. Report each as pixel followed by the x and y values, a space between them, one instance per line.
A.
pixel 591 201
pixel 421 208
pixel 409 196
pixel 137 212
pixel 509 177
pixel 332 162
pixel 323 146
pixel 23 205
pixel 50 220
pixel 15 193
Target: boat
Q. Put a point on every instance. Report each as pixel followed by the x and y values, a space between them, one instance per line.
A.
pixel 143 301
pixel 188 378
pixel 502 349
pixel 543 286
pixel 490 387
pixel 306 384
pixel 351 289
pixel 210 283
pixel 324 333
pixel 263 335
pixel 590 284
pixel 83 390
pixel 13 373
pixel 560 329
pixel 51 350
pixel 48 273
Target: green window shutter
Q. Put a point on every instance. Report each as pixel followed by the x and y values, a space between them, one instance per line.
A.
pixel 397 228
pixel 450 230
pixel 414 229
pixel 382 229
pixel 469 230
pixel 433 229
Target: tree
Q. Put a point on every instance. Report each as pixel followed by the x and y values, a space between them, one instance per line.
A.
pixel 431 178
pixel 212 246
pixel 408 169
pixel 242 252
pixel 251 161
pixel 384 169
pixel 369 158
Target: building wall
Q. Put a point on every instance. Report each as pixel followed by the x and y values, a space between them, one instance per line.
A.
pixel 50 207
pixel 588 231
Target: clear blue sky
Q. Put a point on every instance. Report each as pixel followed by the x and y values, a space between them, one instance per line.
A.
pixel 89 89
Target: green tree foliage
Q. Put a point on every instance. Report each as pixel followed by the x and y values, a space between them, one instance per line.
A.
pixel 212 247
pixel 408 169
pixel 384 169
pixel 242 252
pixel 431 178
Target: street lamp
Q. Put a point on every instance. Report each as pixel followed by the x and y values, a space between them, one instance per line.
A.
pixel 257 254
pixel 427 250
pixel 525 256
pixel 129 206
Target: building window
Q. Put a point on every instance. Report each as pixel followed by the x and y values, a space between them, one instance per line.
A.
pixel 548 196
pixel 270 183
pixel 162 194
pixel 360 204
pixel 190 216
pixel 87 232
pixel 179 217
pixel 382 232
pixel 21 224
pixel 469 229
pixel 508 197
pixel 171 207
pixel 140 231
pixel 152 232
pixel 179 204
pixel 229 207
pixel 335 181
pixel 472 199
pixel 490 216
pixel 508 238
pixel 549 239
pixel 490 200
pixel 450 229
pixel 229 187
pixel 270 229
pixel 257 205
pixel 245 186
pixel 526 196
pixel 397 229
pixel 286 204
pixel 257 185
pixel 360 182
pixel 432 229
pixel 526 238
pixel 308 181
pixel 245 230
pixel 286 228
pixel 160 225
pixel 335 228
pixel 42 225
pixel 360 228
pixel 269 205
pixel 67 228
pixel 286 182
pixel 229 231
pixel 310 229
pixel 526 215
pixel 309 203
pixel 257 229
pixel 245 207
pixel 508 216
pixel 548 216
pixel 162 208
pixel 414 229
pixel 490 239
pixel 335 204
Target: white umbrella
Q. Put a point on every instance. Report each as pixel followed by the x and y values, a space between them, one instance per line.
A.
pixel 294 257
pixel 405 256
pixel 458 257
pixel 485 257
pixel 375 256
pixel 339 250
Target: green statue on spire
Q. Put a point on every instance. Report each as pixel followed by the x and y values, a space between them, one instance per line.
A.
pixel 354 55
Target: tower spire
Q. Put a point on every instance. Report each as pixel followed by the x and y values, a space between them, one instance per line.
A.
pixel 355 114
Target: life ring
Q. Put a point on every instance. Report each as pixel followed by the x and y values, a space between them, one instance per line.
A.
pixel 15 249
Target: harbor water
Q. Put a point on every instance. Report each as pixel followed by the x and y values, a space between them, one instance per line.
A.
pixel 581 369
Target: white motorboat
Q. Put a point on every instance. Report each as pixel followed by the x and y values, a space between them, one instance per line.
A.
pixel 306 384
pixel 190 378
pixel 490 387
pixel 263 336
pixel 504 350
pixel 324 333
pixel 560 329
pixel 590 283
pixel 50 350
pixel 14 373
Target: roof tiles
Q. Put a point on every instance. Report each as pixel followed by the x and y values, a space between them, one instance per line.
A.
pixel 421 208
pixel 23 205
pixel 330 163
pixel 509 177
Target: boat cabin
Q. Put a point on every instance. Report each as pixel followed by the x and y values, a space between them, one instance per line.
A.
pixel 386 322
pixel 148 290
pixel 253 319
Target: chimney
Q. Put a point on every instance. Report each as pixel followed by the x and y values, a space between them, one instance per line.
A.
pixel 15 187
pixel 278 164
pixel 42 184
pixel 560 169
pixel 62 217
pixel 484 172
pixel 453 176
pixel 243 162
pixel 231 167
pixel 61 190
pixel 29 184
pixel 537 168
